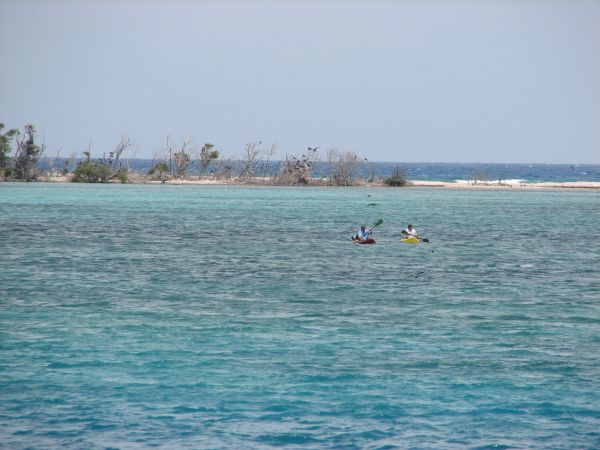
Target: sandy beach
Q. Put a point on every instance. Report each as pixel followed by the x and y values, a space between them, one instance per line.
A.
pixel 509 184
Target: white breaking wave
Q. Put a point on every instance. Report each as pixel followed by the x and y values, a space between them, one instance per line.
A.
pixel 514 181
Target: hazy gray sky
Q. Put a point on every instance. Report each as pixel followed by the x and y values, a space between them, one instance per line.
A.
pixel 447 81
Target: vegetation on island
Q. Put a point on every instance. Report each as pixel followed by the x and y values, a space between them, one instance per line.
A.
pixel 22 165
pixel 105 169
pixel 99 171
pixel 159 171
pixel 19 158
pixel 207 154
pixel 398 179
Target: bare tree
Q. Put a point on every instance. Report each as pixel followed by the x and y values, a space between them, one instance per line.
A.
pixel 297 170
pixel 251 153
pixel 342 165
pixel 169 150
pixel 67 164
pixel 266 165
pixel 371 172
pixel 223 169
pixel 53 170
pixel 480 177
pixel 115 155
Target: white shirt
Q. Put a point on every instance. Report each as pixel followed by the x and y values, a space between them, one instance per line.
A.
pixel 365 234
pixel 411 232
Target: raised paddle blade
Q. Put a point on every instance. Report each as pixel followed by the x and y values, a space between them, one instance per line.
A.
pixel 379 222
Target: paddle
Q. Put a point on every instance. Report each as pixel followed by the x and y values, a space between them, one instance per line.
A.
pixel 418 237
pixel 379 222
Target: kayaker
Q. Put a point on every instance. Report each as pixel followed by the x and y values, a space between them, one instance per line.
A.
pixel 410 231
pixel 363 234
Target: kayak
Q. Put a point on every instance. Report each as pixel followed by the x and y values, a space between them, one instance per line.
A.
pixel 410 240
pixel 366 241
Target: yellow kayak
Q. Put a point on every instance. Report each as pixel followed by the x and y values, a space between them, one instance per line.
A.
pixel 410 240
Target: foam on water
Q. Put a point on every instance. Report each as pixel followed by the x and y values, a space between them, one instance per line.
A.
pixel 513 181
pixel 243 317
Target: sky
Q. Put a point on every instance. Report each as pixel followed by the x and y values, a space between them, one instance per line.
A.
pixel 407 81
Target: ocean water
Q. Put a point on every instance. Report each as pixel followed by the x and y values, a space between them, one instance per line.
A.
pixel 143 316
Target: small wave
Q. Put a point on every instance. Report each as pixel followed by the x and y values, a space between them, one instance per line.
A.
pixel 494 447
pixel 60 365
pixel 423 364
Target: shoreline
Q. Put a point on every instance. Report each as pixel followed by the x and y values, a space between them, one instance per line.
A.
pixel 496 185
pixel 509 185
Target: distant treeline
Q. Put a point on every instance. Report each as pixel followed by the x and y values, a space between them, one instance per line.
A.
pixel 21 159
pixel 143 165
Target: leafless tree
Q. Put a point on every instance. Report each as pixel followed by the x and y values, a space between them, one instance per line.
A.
pixel 342 165
pixel 266 164
pixel 251 153
pixel 160 169
pixel 53 170
pixel 297 170
pixel 223 169
pixel 67 163
pixel 115 155
pixel 480 177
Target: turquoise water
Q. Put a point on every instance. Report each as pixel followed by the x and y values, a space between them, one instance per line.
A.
pixel 136 316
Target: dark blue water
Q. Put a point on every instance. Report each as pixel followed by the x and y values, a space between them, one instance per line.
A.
pixel 161 316
pixel 447 172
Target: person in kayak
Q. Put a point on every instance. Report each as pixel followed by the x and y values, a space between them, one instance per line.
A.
pixel 410 231
pixel 363 234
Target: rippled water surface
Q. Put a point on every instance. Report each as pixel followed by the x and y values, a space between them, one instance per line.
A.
pixel 243 317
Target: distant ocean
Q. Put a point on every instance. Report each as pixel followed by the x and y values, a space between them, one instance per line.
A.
pixel 447 172
pixel 234 317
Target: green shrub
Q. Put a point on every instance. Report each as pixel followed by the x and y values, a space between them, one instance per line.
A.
pixel 91 172
pixel 398 179
pixel 159 171
pixel 122 175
